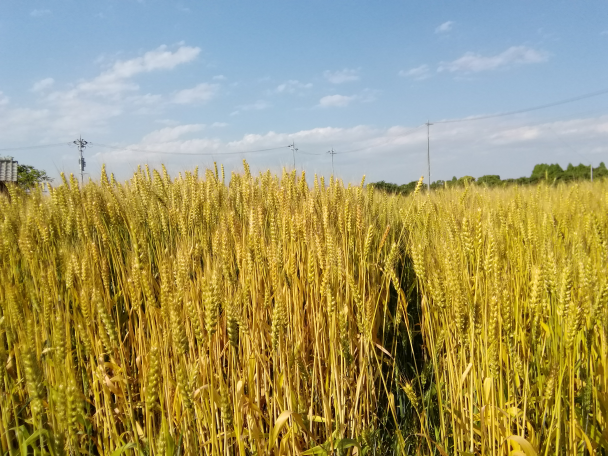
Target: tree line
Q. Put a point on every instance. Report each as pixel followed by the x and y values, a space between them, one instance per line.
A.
pixel 541 172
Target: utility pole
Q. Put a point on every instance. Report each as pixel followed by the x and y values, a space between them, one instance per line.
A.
pixel 332 153
pixel 428 150
pixel 82 144
pixel 294 149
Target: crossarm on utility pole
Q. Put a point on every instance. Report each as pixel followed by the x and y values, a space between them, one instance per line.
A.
pixel 294 149
pixel 82 144
pixel 332 153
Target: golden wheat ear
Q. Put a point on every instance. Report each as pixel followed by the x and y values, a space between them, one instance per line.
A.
pixel 226 313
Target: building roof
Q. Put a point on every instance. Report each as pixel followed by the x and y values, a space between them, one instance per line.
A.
pixel 8 170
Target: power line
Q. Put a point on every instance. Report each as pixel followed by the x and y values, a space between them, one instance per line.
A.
pixel 521 111
pixel 82 144
pixel 572 149
pixel 509 113
pixel 306 153
pixel 563 141
pixel 34 147
pixel 160 152
pixel 387 141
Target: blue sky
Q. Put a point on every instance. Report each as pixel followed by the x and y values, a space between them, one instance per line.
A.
pixel 225 77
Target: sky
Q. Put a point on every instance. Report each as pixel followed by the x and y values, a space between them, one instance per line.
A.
pixel 189 83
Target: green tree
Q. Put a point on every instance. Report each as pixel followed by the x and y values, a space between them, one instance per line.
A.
pixel 490 180
pixel 438 184
pixel 465 180
pixel 600 171
pixel 28 176
pixel 550 172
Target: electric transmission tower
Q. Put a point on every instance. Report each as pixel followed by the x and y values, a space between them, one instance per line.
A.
pixel 82 144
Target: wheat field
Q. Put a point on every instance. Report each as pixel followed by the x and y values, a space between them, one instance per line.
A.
pixel 263 315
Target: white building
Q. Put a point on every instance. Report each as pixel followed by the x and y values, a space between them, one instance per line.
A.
pixel 8 172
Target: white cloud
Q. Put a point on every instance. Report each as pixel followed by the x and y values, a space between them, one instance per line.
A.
pixel 445 27
pixel 257 106
pixel 341 76
pixel 117 80
pixel 340 101
pixel 471 62
pixel 171 133
pixel 70 116
pixel 169 122
pixel 158 59
pixel 292 86
pixel 89 105
pixel 509 147
pixel 316 137
pixel 40 12
pixel 219 124
pixel 51 124
pixel 419 73
pixel 199 94
pixel 219 77
pixel 367 95
pixel 571 129
pixel 20 125
pixel 145 100
pixel 333 101
pixel 43 85
pixel 3 99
